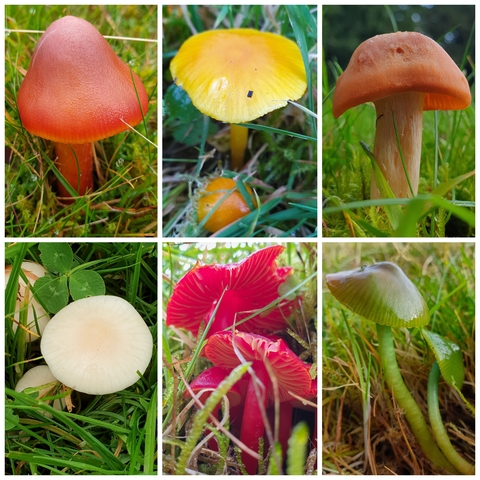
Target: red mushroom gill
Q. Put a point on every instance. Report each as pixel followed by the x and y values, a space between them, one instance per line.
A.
pixel 248 285
pixel 267 355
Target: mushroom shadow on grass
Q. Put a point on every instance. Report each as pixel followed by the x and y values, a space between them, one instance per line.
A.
pixel 403 74
pixel 77 91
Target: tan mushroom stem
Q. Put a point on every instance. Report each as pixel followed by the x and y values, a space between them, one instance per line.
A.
pixel 238 145
pixel 407 111
pixel 75 163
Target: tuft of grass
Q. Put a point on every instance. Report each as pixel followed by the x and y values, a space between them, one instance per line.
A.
pixel 446 200
pixel 363 431
pixel 182 362
pixel 125 200
pixel 113 434
pixel 281 168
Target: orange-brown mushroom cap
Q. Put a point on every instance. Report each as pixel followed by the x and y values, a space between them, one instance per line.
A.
pixel 77 90
pixel 238 75
pixel 398 63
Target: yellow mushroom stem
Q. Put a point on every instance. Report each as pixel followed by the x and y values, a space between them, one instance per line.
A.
pixel 407 110
pixel 238 145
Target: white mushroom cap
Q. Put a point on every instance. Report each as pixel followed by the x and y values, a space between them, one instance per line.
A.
pixel 33 271
pixel 97 344
pixel 35 268
pixel 35 377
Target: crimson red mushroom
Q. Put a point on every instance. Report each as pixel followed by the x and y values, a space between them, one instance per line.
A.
pixel 77 91
pixel 248 285
pixel 289 372
pixel 209 380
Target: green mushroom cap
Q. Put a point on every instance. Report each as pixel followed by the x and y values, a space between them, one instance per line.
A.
pixel 449 358
pixel 381 293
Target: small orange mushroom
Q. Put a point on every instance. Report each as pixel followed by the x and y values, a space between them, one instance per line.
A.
pixel 77 91
pixel 238 75
pixel 228 204
pixel 403 74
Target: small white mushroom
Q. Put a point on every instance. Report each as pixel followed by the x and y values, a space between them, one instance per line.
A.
pixel 33 271
pixel 36 377
pixel 96 345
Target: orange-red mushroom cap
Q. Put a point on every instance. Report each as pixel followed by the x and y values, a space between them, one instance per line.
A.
pixel 238 75
pixel 398 63
pixel 77 90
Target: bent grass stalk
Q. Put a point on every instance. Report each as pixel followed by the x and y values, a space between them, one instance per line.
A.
pixel 202 415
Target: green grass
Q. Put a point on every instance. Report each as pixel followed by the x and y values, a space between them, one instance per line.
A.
pixel 125 200
pixel 113 434
pixel 284 172
pixel 180 347
pixel 444 274
pixel 446 200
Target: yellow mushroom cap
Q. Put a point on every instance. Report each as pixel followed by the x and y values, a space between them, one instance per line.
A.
pixel 232 204
pixel 240 74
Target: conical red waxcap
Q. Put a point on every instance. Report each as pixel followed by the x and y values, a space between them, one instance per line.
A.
pixel 77 90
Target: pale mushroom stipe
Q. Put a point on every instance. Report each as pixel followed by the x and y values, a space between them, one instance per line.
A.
pixel 238 75
pixel 77 91
pixel 96 345
pixel 403 74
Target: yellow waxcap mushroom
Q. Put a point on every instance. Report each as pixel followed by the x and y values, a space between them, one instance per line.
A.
pixel 238 75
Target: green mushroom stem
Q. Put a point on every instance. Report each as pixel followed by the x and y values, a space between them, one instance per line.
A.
pixel 404 399
pixel 438 428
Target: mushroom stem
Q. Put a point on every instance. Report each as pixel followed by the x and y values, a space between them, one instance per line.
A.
pixel 75 163
pixel 253 427
pixel 439 431
pixel 403 112
pixel 285 426
pixel 238 145
pixel 404 399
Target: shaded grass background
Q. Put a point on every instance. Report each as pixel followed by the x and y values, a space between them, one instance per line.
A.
pixel 125 199
pixel 445 275
pixel 284 169
pixel 179 346
pixel 105 434
pixel 448 150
